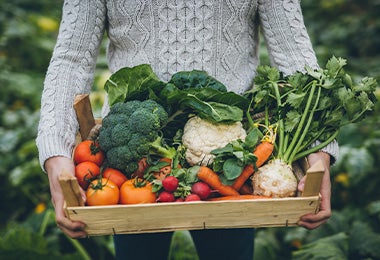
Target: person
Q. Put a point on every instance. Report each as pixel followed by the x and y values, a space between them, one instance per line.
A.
pixel 219 37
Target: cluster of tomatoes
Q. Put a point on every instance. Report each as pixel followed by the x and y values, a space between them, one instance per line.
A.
pixel 106 186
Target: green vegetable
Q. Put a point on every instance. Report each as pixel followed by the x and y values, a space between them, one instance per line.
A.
pixel 188 92
pixel 131 83
pixel 311 106
pixel 131 131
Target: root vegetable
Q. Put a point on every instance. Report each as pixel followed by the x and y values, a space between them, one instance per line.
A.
pixel 201 189
pixel 262 152
pixel 208 176
pixel 275 179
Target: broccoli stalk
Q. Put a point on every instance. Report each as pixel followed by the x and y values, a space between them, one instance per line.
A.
pixel 159 148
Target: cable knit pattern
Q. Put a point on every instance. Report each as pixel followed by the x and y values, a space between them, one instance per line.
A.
pixel 218 36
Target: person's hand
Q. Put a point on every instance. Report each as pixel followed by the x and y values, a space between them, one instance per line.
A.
pixel 312 221
pixel 54 167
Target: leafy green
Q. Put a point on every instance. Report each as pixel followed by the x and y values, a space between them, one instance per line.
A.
pixel 130 83
pixel 310 106
pixel 187 92
pixel 231 159
pixel 196 79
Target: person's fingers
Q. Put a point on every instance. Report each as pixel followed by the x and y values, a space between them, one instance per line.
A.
pixel 301 184
pixel 74 229
pixel 312 221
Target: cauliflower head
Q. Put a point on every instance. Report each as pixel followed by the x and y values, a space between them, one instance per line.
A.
pixel 200 137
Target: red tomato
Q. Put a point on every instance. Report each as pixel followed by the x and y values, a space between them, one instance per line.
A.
pixel 88 151
pixel 135 191
pixel 85 172
pixel 115 176
pixel 102 192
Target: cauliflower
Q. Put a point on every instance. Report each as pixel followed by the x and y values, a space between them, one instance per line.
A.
pixel 275 179
pixel 200 137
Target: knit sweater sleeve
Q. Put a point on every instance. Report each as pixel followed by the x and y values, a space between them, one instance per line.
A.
pixel 285 34
pixel 288 43
pixel 70 72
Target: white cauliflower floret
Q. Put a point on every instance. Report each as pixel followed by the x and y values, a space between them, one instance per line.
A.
pixel 200 137
pixel 275 179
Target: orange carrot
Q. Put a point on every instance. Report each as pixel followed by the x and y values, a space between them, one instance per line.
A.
pixel 239 197
pixel 210 177
pixel 262 152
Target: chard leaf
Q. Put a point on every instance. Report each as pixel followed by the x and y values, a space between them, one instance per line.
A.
pixel 131 83
pixel 196 79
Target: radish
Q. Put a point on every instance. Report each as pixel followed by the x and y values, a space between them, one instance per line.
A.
pixel 170 183
pixel 192 197
pixel 201 189
pixel 166 196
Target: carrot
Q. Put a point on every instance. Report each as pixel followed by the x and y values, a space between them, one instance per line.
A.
pixel 210 177
pixel 239 197
pixel 262 152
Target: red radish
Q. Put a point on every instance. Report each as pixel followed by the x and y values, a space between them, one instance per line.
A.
pixel 166 196
pixel 170 183
pixel 201 189
pixel 192 197
pixel 179 199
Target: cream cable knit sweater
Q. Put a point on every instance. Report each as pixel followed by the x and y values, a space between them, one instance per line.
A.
pixel 218 36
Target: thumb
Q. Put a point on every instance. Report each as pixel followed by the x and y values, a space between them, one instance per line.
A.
pixel 301 184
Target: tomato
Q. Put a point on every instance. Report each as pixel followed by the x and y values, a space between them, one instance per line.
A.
pixel 115 176
pixel 102 192
pixel 85 172
pixel 135 191
pixel 88 151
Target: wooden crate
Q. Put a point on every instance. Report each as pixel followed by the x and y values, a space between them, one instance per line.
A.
pixel 160 217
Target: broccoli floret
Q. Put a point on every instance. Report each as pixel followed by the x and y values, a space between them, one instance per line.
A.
pixel 131 131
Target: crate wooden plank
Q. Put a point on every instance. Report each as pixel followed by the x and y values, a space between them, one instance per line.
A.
pixel 83 110
pixel 159 217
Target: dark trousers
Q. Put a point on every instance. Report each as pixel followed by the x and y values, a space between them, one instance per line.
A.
pixel 221 244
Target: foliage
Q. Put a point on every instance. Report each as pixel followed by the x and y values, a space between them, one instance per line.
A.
pixel 28 31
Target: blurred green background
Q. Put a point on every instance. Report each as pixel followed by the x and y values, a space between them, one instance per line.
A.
pixel 28 30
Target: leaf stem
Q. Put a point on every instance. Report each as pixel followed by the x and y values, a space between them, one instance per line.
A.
pixel 305 129
pixel 296 140
pixel 280 122
pixel 316 148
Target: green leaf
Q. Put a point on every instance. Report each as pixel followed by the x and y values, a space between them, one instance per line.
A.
pixel 196 79
pixel 364 241
pixel 232 168
pixel 334 65
pixel 333 247
pixel 292 120
pixel 296 99
pixel 131 83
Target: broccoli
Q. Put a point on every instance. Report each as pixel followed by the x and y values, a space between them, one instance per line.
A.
pixel 132 131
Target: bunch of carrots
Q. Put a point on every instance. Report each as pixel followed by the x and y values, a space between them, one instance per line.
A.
pixel 239 189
